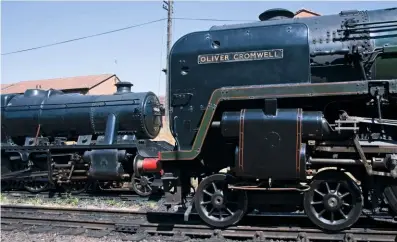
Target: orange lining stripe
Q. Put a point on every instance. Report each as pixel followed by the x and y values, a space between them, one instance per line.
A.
pixel 298 139
pixel 241 140
pixel 296 143
pixel 300 135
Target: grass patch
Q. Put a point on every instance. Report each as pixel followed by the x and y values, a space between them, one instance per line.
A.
pixel 3 198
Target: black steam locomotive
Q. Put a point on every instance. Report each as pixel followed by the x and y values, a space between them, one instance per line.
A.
pixel 288 114
pixel 74 140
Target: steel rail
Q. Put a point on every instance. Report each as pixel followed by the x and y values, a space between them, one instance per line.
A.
pixel 165 223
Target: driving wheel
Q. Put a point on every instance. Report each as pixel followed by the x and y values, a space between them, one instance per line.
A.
pixel 217 205
pixel 142 184
pixel 334 201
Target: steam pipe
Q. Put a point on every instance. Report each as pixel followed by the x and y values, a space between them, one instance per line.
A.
pixel 330 161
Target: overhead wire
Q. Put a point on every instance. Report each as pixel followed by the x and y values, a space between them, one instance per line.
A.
pixel 117 30
pixel 215 20
pixel 85 37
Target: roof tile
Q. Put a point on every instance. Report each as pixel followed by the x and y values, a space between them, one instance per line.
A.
pixel 78 82
pixel 4 86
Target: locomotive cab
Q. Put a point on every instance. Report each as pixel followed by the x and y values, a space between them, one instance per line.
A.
pixel 216 59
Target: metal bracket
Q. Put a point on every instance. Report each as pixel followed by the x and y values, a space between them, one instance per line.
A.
pixel 32 141
pixel 349 238
pixel 189 209
pixel 380 88
pixel 302 237
pixel 84 140
pixel 367 165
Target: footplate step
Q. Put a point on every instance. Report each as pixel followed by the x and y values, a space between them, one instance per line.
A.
pixel 188 210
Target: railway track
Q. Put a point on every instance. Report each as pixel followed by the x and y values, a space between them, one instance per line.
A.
pixel 145 224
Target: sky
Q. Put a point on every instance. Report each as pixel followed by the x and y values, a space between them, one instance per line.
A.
pixel 136 55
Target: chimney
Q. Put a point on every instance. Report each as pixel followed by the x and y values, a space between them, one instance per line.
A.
pixel 123 87
pixel 276 14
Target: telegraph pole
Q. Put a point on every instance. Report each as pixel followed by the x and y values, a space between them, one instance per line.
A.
pixel 168 6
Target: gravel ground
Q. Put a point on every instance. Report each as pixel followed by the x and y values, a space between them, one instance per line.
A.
pixel 8 236
pixel 75 202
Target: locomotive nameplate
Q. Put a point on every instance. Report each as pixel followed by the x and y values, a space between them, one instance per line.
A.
pixel 241 56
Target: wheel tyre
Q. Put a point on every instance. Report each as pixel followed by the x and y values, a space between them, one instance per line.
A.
pixel 72 191
pixel 343 178
pixel 33 190
pixel 238 214
pixel 391 196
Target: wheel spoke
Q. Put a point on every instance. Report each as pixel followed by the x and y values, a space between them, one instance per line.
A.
pixel 328 189
pixel 321 213
pixel 343 214
pixel 205 203
pixel 211 211
pixel 229 211
pixel 317 203
pixel 332 217
pixel 337 187
pixel 344 195
pixel 214 186
pixel 208 193
pixel 220 214
pixel 318 192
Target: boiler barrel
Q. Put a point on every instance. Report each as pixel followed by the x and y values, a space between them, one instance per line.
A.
pixel 71 115
pixel 332 37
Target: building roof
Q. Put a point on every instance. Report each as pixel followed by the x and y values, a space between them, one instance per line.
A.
pixel 306 12
pixel 67 83
pixel 4 86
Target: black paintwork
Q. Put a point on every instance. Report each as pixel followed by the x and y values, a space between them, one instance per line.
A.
pixel 105 164
pixel 316 50
pixel 270 145
pixel 333 36
pixel 312 93
pixel 71 115
pixel 190 93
